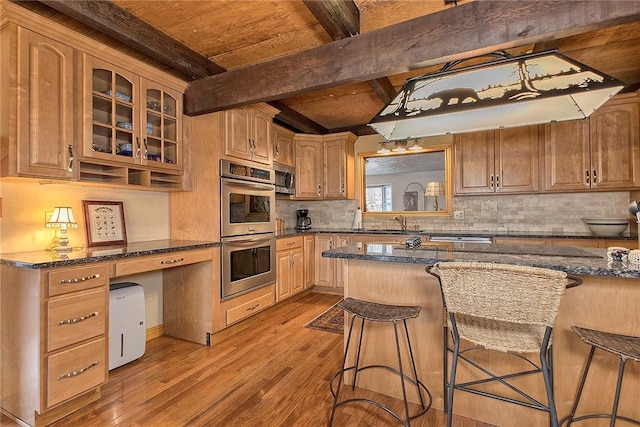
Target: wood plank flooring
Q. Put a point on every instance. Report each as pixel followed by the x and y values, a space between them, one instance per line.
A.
pixel 266 371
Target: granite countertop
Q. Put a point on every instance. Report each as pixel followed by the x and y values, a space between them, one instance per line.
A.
pixel 49 259
pixel 291 232
pixel 574 260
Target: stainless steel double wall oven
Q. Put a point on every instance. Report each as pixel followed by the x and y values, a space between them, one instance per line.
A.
pixel 247 200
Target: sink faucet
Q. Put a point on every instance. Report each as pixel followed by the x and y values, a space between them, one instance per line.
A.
pixel 402 220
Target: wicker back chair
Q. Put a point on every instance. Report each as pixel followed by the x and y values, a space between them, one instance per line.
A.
pixel 506 308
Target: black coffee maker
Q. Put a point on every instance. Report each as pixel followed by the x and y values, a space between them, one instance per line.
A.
pixel 304 222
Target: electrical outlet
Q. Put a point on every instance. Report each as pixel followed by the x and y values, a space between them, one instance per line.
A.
pixel 458 214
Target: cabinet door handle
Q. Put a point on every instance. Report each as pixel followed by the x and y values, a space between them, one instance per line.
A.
pixel 253 307
pixel 70 163
pixel 76 373
pixel 146 148
pixel 595 177
pixel 491 182
pixel 171 261
pixel 79 279
pixel 78 319
pixel 497 181
pixel 586 173
pixel 319 190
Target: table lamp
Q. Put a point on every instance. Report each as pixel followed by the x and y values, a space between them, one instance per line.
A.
pixel 62 218
pixel 434 189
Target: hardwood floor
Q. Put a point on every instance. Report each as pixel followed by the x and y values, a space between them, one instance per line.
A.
pixel 266 371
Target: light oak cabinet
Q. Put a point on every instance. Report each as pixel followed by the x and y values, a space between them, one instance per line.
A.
pixel 36 110
pixel 602 152
pixel 309 261
pixel 129 120
pixel 62 349
pixel 283 145
pixel 330 272
pixel 239 308
pixel 502 161
pixel 325 166
pixel 248 133
pixel 289 267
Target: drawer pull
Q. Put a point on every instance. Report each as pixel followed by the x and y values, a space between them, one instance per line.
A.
pixel 171 261
pixel 79 279
pixel 76 373
pixel 77 319
pixel 253 307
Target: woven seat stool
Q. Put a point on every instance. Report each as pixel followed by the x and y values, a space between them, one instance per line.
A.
pixel 503 308
pixel 374 312
pixel 626 348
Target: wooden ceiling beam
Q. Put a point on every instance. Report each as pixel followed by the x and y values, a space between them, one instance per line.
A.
pixel 339 18
pixel 347 24
pixel 121 25
pixel 472 29
pixel 297 121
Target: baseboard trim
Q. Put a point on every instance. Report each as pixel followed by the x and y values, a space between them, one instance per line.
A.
pixel 155 332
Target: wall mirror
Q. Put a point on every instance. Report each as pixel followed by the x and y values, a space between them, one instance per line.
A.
pixel 408 183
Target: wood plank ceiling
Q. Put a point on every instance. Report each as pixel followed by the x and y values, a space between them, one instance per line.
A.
pixel 331 65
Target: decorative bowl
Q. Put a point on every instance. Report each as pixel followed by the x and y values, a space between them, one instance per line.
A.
pixel 606 226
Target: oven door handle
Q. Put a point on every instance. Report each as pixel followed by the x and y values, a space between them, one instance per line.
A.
pixel 246 242
pixel 253 185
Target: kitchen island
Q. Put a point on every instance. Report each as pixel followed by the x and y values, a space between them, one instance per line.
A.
pixel 607 300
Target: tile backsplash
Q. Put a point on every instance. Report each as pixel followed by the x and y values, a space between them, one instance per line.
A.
pixel 544 213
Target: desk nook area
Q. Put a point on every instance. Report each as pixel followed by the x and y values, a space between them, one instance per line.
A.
pixel 55 318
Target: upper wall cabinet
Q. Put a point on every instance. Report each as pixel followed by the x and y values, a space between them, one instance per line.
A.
pixel 602 152
pixel 502 161
pixel 248 133
pixel 37 105
pixel 66 115
pixel 129 120
pixel 283 146
pixel 325 166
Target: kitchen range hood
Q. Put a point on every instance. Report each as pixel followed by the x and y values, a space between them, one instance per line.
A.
pixel 510 91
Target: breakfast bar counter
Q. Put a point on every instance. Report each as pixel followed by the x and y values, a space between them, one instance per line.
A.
pixel 607 300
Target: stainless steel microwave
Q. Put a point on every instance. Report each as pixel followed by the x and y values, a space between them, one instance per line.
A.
pixel 285 178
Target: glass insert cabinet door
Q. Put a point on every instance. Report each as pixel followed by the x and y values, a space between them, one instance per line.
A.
pixel 409 183
pixel 161 134
pixel 130 119
pixel 114 123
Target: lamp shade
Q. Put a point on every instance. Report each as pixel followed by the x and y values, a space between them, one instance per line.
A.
pixel 434 188
pixel 62 217
pixel 512 91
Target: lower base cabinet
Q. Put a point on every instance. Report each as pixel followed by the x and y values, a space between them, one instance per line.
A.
pixel 290 271
pixel 236 309
pixel 54 354
pixel 330 272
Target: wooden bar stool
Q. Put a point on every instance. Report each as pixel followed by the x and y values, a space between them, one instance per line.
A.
pixel 374 312
pixel 623 346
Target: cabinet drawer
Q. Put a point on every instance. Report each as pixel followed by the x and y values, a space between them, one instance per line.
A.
pixel 76 317
pixel 74 371
pixel 65 280
pixel 251 307
pixel 288 243
pixel 160 262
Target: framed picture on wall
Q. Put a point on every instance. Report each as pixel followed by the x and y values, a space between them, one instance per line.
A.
pixel 410 200
pixel 104 223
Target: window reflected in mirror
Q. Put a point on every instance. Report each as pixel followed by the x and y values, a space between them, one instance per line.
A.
pixel 409 183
